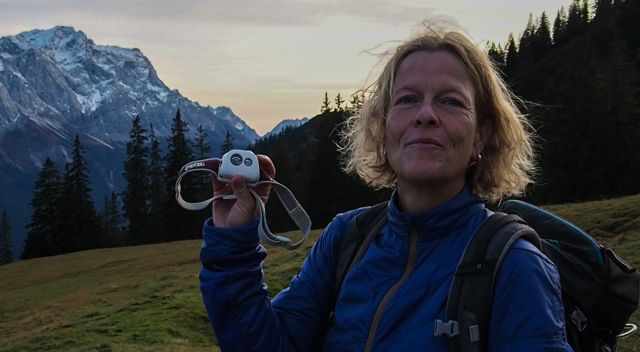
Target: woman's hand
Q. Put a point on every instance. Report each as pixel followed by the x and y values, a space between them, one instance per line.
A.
pixel 242 210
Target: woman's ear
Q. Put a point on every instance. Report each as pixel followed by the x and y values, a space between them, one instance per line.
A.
pixel 484 131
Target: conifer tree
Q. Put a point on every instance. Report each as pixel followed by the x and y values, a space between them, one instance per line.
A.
pixel 525 50
pixel 560 27
pixel 80 228
pixel 496 53
pixel 339 101
pixel 585 13
pixel 202 147
pixel 326 106
pixel 511 56
pixel 43 235
pixel 355 104
pixel 603 8
pixel 136 174
pixel 157 190
pixel 574 20
pixel 227 144
pixel 111 222
pixel 542 42
pixel 180 224
pixel 6 255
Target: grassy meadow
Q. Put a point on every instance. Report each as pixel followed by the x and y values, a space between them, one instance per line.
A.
pixel 146 298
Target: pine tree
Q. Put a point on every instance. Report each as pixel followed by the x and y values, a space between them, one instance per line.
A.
pixel 339 101
pixel 542 43
pixel 202 147
pixel 43 236
pixel 560 27
pixel 326 107
pixel 227 144
pixel 525 51
pixel 79 225
pixel 136 174
pixel 6 255
pixel 585 13
pixel 157 190
pixel 511 56
pixel 603 8
pixel 574 20
pixel 180 224
pixel 111 222
pixel 496 54
pixel 355 104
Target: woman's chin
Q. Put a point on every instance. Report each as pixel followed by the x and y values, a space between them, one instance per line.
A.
pixel 429 176
pixel 422 176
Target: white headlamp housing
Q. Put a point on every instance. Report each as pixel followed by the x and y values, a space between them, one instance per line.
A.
pixel 239 162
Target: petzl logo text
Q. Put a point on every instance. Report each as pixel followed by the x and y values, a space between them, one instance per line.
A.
pixel 194 165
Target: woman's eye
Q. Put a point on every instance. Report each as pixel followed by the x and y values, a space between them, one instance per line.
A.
pixel 406 99
pixel 452 102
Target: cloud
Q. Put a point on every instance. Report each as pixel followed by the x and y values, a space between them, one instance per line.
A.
pixel 247 12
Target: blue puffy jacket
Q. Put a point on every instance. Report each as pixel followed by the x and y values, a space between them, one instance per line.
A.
pixel 402 281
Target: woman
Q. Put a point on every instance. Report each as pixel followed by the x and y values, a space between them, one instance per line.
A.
pixel 439 127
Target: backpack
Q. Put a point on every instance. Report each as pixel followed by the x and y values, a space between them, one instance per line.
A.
pixel 600 290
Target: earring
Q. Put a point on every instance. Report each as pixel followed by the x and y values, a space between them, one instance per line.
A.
pixel 475 160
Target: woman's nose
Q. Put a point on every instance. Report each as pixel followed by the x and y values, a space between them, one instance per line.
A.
pixel 426 115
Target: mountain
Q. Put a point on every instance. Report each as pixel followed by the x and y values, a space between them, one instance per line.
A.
pixel 56 83
pixel 284 124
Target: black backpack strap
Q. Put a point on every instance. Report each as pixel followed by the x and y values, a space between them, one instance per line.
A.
pixel 352 244
pixel 471 294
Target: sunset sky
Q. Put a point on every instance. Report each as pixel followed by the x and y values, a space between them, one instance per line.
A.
pixel 267 60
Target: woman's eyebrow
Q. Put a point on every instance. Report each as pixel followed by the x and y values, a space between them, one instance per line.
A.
pixel 408 86
pixel 456 90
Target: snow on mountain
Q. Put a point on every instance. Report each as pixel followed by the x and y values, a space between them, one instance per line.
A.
pixel 60 74
pixel 284 124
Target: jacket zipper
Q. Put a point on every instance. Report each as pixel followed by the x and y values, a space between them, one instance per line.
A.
pixel 411 260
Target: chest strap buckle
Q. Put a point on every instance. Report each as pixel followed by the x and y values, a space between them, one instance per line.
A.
pixel 449 328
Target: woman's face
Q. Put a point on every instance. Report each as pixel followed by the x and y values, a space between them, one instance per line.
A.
pixel 431 128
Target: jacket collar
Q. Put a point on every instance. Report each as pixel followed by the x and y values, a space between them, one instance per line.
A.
pixel 437 222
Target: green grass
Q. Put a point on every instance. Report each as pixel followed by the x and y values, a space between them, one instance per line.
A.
pixel 143 298
pixel 146 298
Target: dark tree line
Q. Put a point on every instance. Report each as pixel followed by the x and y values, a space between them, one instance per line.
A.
pixel 6 253
pixel 340 105
pixel 64 218
pixel 581 79
pixel 579 76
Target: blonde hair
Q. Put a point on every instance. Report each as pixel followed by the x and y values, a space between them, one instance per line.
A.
pixel 507 164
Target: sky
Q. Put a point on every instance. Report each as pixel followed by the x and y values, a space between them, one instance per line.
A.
pixel 268 59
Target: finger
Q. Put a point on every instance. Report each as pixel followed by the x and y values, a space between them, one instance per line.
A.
pixel 263 191
pixel 267 168
pixel 220 188
pixel 244 198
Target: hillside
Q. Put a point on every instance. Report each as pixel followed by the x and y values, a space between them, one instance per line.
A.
pixel 146 298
